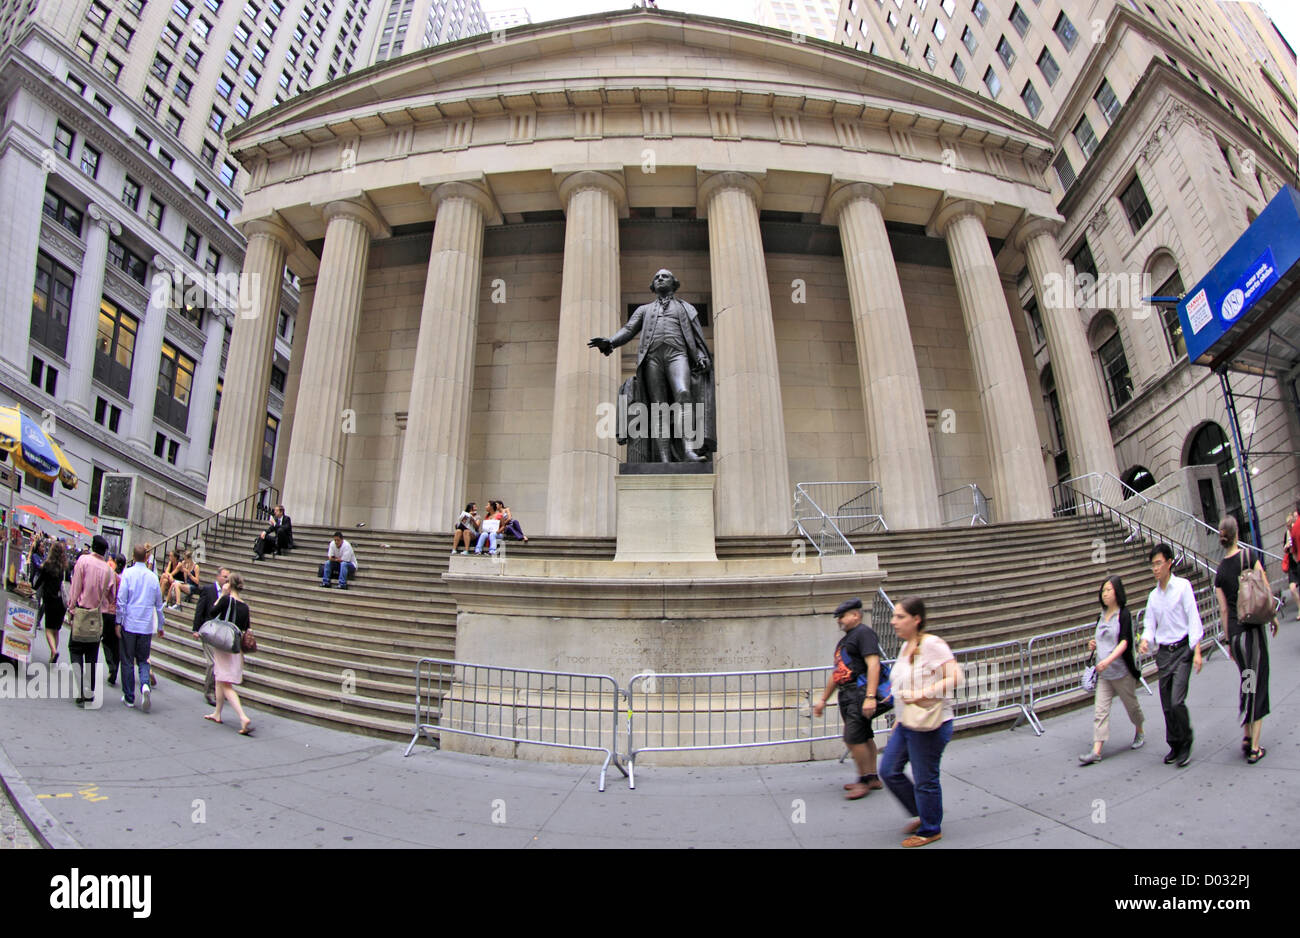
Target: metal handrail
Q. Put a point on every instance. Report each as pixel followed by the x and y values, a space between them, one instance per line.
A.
pixel 262 511
pixel 839 543
pixel 980 512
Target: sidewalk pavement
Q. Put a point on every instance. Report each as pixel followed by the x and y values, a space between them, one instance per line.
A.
pixel 121 778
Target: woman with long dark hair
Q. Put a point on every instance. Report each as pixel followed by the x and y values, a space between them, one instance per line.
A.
pixel 1117 670
pixel 228 666
pixel 1246 640
pixel 925 678
pixel 49 583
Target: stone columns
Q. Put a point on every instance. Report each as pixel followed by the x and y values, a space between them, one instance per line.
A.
pixel 581 497
pixel 435 450
pixel 241 423
pixel 1015 455
pixel 301 323
pixel 753 471
pixel 1083 408
pixel 891 386
pixel 83 322
pixel 22 180
pixel 204 396
pixel 314 476
pixel 148 354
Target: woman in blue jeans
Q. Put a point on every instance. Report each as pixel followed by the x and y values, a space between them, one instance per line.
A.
pixel 925 676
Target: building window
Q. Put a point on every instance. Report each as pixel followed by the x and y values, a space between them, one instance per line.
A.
pixel 167 158
pixel 285 79
pixel 213 5
pixel 981 12
pixel 173 122
pixel 216 121
pixel 940 31
pixel 182 9
pixel 113 69
pixel 1210 448
pixel 1019 20
pixel 182 88
pixel 171 36
pixel 223 210
pixel 251 78
pixel 115 347
pixel 1086 139
pixel 155 214
pixel 213 264
pixel 268 446
pixel 131 194
pixel 86 47
pixel 1065 32
pixel 241 32
pixel 1029 95
pixel 278 378
pixel 244 106
pixel 1047 65
pixel 958 67
pixel 1056 424
pixel 1114 368
pixel 192 56
pixel 992 82
pixel 968 40
pixel 44 374
pixel 127 261
pixel 123 34
pixel 208 154
pixel 97 13
pixel 175 384
pixel 51 304
pixel 1169 312
pixel 1136 207
pixel 202 27
pixel 191 244
pixel 1035 322
pixel 160 68
pixel 224 87
pixel 136 7
pixel 76 84
pixel 151 101
pixel 1107 102
pixel 106 415
pixel 89 161
pixel 63 139
pixel 227 175
pixel 96 480
pixel 930 58
pixel 201 191
pixel 232 59
pixel 1005 52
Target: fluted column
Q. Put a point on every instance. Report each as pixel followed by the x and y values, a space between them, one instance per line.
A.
pixel 314 477
pixel 753 471
pixel 292 381
pixel 435 450
pixel 22 180
pixel 1083 408
pixel 581 499
pixel 891 386
pixel 1019 479
pixel 148 354
pixel 204 396
pixel 241 423
pixel 83 321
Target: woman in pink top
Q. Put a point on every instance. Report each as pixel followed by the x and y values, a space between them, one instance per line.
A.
pixel 925 674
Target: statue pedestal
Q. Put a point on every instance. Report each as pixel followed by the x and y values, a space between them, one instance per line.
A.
pixel 665 516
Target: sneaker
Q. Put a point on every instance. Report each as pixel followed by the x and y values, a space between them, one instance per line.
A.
pixel 1139 741
pixel 129 703
pixel 1172 757
pixel 1185 758
pixel 144 698
pixel 1089 758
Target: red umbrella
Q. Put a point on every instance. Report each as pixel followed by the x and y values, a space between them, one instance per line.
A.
pixel 74 526
pixel 34 510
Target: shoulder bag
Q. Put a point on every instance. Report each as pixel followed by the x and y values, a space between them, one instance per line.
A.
pixel 87 625
pixel 1254 602
pixel 222 634
pixel 247 642
pixel 923 718
pixel 1088 680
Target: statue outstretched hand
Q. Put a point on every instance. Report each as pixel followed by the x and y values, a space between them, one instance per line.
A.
pixel 602 344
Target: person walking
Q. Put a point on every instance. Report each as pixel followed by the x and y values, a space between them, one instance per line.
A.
pixel 1117 670
pixel 93 590
pixel 1245 639
pixel 1291 560
pixel 208 597
pixel 139 615
pixel 925 679
pixel 857 676
pixel 108 634
pixel 49 587
pixel 1173 623
pixel 340 561
pixel 228 667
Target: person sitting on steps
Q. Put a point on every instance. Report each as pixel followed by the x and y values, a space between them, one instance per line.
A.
pixel 340 561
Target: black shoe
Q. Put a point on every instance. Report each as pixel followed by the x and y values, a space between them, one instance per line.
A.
pixel 343 586
pixel 112 681
pixel 1172 757
pixel 1185 758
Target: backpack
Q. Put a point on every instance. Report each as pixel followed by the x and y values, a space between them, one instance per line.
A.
pixel 884 690
pixel 1254 601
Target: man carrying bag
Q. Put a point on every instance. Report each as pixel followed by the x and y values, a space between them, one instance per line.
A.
pixel 94 585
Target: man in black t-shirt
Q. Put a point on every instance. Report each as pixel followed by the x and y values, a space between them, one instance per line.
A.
pixel 857 655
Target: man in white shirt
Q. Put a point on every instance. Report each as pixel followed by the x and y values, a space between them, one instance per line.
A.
pixel 340 562
pixel 1174 624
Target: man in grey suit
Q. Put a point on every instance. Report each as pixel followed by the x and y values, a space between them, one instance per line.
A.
pixel 670 357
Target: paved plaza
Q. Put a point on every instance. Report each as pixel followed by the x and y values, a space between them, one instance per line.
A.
pixel 120 778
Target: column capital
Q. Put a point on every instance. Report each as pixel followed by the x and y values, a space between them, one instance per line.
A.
pixel 710 180
pixel 843 191
pixel 305 284
pixel 472 188
pixel 102 219
pixel 270 226
pixel 957 205
pixel 1031 226
pixel 607 179
pixel 357 206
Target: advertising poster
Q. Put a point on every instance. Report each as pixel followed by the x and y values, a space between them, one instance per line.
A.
pixel 19 631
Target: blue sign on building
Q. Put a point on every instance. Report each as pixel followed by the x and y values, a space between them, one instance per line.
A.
pixel 1223 299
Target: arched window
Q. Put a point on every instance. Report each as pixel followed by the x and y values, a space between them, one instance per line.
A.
pixel 1138 478
pixel 1167 281
pixel 1055 426
pixel 1109 349
pixel 1209 447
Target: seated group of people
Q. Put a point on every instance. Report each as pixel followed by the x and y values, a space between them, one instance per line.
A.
pixel 340 560
pixel 179 579
pixel 497 523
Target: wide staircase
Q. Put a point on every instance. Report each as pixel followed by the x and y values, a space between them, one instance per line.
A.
pixel 346 659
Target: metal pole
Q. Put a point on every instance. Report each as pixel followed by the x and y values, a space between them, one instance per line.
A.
pixel 1242 468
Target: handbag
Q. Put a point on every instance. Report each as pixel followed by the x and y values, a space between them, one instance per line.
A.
pixel 1088 680
pixel 222 634
pixel 1254 601
pixel 921 717
pixel 247 642
pixel 87 625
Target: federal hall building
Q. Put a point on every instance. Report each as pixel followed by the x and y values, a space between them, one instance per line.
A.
pixel 877 253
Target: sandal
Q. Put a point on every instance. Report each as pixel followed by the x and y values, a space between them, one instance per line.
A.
pixel 247 730
pixel 916 840
pixel 913 827
pixel 212 717
pixel 1256 755
pixel 1245 746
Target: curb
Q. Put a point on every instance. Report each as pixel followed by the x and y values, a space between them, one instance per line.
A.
pixel 39 821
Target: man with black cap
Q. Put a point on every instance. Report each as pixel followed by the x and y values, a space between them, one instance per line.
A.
pixel 856 676
pixel 93 590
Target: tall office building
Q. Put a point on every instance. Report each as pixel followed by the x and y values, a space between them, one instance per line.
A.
pixel 408 25
pixel 806 17
pixel 504 19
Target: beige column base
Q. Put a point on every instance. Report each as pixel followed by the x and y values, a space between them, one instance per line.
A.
pixel 665 517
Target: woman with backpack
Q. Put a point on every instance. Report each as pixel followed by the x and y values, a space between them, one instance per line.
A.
pixel 1117 670
pixel 1245 639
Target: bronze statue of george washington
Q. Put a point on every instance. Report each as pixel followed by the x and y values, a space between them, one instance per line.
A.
pixel 673 383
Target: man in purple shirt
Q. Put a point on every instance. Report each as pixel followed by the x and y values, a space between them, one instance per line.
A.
pixel 139 609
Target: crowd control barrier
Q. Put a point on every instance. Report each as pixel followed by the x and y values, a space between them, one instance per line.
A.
pixel 542 708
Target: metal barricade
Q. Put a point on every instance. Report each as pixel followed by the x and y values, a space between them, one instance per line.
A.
pixel 725 710
pixel 992 681
pixel 967 506
pixel 560 709
pixel 1054 663
pixel 882 613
